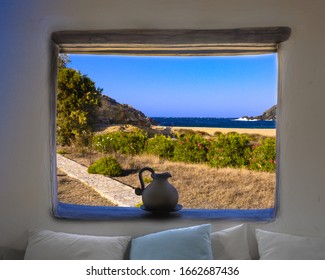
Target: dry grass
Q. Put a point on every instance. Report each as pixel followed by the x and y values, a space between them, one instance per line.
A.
pixel 201 186
pixel 73 191
pixel 198 185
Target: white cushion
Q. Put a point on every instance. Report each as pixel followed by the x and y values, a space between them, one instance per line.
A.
pixel 49 245
pixel 230 244
pixel 280 246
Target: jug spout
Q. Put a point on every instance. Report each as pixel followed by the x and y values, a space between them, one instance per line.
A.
pixel 164 175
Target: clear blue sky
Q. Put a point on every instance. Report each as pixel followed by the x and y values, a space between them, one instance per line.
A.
pixel 185 86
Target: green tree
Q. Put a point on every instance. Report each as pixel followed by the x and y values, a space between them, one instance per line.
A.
pixel 77 103
pixel 63 61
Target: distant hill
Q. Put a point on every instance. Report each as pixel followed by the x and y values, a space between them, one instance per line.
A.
pixel 111 112
pixel 269 114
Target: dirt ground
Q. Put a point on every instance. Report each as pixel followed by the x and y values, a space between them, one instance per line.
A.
pixel 73 191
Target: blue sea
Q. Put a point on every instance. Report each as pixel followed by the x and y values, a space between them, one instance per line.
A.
pixel 215 122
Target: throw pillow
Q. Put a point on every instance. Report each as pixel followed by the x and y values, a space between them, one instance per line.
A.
pixel 230 244
pixel 49 245
pixel 191 243
pixel 280 246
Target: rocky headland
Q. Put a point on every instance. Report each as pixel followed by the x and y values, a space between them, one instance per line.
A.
pixel 269 114
pixel 111 112
pixel 113 116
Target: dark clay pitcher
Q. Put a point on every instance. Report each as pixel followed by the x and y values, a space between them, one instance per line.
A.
pixel 159 195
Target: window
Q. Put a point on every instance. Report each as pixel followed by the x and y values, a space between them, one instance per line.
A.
pixel 199 43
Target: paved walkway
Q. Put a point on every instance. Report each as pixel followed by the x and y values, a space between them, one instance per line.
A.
pixel 114 191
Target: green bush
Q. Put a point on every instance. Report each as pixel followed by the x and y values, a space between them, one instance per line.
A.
pixel 104 143
pixel 130 143
pixel 229 150
pixel 217 133
pixel 225 150
pixel 83 139
pixel 263 156
pixel 61 151
pixel 183 131
pixel 161 145
pixel 191 148
pixel 106 166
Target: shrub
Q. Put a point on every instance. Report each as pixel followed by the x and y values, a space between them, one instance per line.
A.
pixel 106 166
pixel 130 143
pixel 183 131
pixel 61 151
pixel 229 150
pixel 191 148
pixel 263 156
pixel 105 143
pixel 83 139
pixel 225 150
pixel 161 145
pixel 217 133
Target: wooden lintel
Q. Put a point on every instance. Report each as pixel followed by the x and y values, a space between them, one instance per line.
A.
pixel 171 41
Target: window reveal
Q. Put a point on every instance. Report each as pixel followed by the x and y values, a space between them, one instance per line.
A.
pixel 174 48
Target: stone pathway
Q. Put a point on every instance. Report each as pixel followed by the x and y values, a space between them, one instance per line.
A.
pixel 114 191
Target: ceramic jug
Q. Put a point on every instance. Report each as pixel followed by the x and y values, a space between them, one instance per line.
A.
pixel 159 195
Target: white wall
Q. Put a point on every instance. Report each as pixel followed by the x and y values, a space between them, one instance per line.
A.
pixel 25 29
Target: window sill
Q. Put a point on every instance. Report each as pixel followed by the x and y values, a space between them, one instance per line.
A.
pixel 82 212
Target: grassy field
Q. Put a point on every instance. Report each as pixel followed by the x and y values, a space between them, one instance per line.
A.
pixel 198 185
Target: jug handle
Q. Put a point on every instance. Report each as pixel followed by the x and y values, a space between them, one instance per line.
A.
pixel 139 191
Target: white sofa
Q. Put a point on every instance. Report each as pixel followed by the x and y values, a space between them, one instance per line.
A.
pixel 196 242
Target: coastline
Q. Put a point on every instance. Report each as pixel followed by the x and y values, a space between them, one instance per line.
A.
pixel 270 132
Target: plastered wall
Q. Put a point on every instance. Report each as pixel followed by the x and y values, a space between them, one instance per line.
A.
pixel 25 78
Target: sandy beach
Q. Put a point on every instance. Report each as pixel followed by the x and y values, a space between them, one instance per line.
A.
pixel 212 130
pixel 209 130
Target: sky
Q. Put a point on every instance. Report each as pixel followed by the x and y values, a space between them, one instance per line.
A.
pixel 221 87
